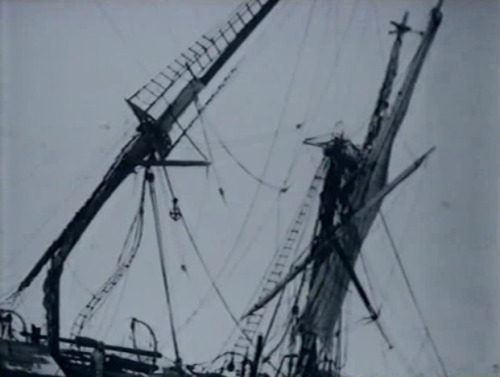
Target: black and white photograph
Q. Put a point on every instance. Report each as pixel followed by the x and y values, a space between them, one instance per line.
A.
pixel 250 188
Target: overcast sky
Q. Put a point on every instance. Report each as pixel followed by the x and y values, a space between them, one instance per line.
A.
pixel 66 68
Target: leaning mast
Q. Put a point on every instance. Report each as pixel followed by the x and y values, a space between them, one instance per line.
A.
pixel 200 63
pixel 332 273
pixel 341 229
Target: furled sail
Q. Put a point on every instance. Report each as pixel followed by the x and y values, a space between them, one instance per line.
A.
pixel 331 279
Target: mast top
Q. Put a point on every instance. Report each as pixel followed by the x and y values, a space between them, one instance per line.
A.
pixel 401 27
pixel 337 144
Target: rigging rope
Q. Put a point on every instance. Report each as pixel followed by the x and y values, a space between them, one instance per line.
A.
pixel 343 260
pixel 200 110
pixel 212 281
pixel 367 275
pixel 125 259
pixel 413 296
pixel 210 154
pixel 266 166
pixel 117 307
pixel 154 203
pixel 290 322
pixel 204 119
pixel 184 132
pixel 243 167
pixel 273 317
pixel 55 210
pixel 121 36
pixel 177 247
pixel 201 259
pixel 293 234
pixel 205 299
pixel 381 46
pixel 345 330
pixel 329 81
pixel 77 279
pixel 301 126
pixel 316 71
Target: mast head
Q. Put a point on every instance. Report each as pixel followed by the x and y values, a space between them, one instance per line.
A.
pixel 338 147
pixel 325 141
pixel 401 27
pixel 338 143
pixel 436 11
pixel 335 141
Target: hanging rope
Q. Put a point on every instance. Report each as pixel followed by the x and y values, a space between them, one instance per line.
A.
pixel 367 275
pixel 8 298
pixel 137 60
pixel 210 155
pixel 115 311
pixel 200 109
pixel 205 299
pixel 201 259
pixel 413 297
pixel 243 167
pixel 125 259
pixel 204 119
pixel 330 79
pixel 154 204
pixel 271 149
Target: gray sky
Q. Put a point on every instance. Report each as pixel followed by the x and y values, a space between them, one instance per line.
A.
pixel 66 67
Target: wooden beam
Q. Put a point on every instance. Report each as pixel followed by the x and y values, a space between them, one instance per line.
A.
pixel 177 163
pixel 92 343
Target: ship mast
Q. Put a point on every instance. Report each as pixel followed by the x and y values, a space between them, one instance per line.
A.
pixel 354 187
pixel 332 205
pixel 354 176
pixel 153 142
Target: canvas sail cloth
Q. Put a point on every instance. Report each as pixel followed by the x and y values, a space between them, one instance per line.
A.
pixel 330 279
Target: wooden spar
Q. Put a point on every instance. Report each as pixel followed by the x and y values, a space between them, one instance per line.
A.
pixel 391 124
pixel 82 341
pixel 161 250
pixel 137 150
pixel 91 343
pixel 328 292
pixel 176 163
pixel 372 202
pixel 385 91
pixel 254 366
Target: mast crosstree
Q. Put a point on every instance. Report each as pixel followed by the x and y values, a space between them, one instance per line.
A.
pixel 153 138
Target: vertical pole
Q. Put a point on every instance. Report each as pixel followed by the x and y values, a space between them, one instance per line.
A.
pixel 152 192
pixel 51 288
pixel 290 366
pixel 258 353
pixel 338 356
